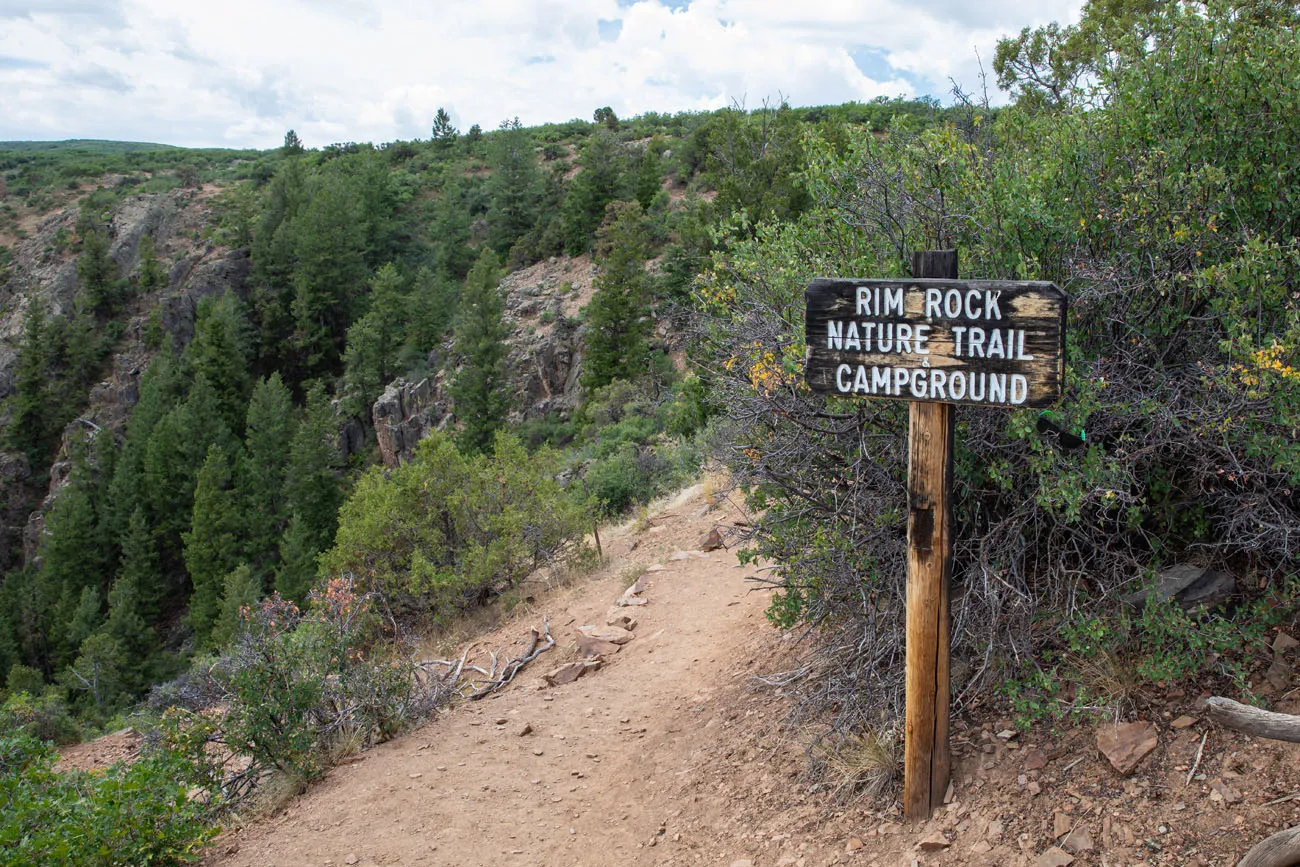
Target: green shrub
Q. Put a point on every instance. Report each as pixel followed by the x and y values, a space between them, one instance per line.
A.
pixel 45 717
pixel 294 681
pixel 447 530
pixel 127 815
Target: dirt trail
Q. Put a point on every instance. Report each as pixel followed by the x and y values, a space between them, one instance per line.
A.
pixel 670 755
pixel 615 766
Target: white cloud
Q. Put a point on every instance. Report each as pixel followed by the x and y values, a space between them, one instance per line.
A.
pixel 241 72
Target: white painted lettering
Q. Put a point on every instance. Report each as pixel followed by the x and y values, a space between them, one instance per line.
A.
pixel 921 333
pixel 840 372
pixel 1020 347
pixel 997 387
pixel 977 394
pixel 904 338
pixel 991 308
pixel 918 383
pixel 957 332
pixel 851 340
pixel 864 301
pixel 1019 388
pixel 879 380
pixel 834 334
pixel 867 328
pixel 932 299
pixel 885 337
pixel 976 342
pixel 995 349
pixel 952 303
pixel 893 301
pixel 938 380
pixel 860 381
pixel 900 381
pixel 973 311
pixel 957 385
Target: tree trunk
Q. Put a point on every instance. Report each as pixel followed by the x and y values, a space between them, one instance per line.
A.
pixel 1280 850
pixel 1252 720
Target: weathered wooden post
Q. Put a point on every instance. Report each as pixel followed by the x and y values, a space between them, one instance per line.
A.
pixel 935 341
pixel 927 761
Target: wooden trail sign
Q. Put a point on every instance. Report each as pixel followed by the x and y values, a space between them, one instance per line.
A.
pixel 936 341
pixel 983 342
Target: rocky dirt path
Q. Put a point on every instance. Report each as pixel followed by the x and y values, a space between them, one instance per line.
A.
pixel 671 755
pixel 612 768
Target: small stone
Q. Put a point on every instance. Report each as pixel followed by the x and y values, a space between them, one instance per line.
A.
pixel 854 844
pixel 351 859
pixel 1078 841
pixel 995 829
pixel 1127 744
pixel 593 647
pixel 981 847
pixel 1035 760
pixel 1061 824
pixel 570 672
pixel 1033 788
pixel 415 776
pixel 1184 721
pixel 1054 857
pixel 711 541
pixel 622 621
pixel 1006 734
pixel 611 634
pixel 889 828
pixel 935 841
pixel 539 751
pixel 1284 642
pixel 525 729
pixel 628 601
pixel 1225 793
pixel 657 567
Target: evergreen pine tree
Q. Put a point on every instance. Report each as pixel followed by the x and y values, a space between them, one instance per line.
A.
pixel 598 183
pixel 152 276
pixel 86 618
pixel 133 605
pixel 242 590
pixel 329 269
pixel 514 187
pixel 444 134
pixel 268 432
pixel 212 546
pixel 98 273
pixel 478 390
pixel 314 493
pixel 375 340
pixel 618 320
pixel 221 351
pixel 177 450
pixel 29 431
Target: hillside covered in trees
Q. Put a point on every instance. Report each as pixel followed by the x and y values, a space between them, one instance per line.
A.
pixel 215 362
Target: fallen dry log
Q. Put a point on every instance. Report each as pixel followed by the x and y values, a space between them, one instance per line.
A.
pixel 1280 850
pixel 1283 848
pixel 495 675
pixel 1253 721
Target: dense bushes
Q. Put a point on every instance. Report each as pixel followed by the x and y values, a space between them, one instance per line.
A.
pixel 1181 361
pixel 448 530
pixel 124 816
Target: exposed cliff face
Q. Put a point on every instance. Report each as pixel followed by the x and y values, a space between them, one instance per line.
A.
pixel 45 272
pixel 544 361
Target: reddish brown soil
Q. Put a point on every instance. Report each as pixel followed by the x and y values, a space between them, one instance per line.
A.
pixel 672 754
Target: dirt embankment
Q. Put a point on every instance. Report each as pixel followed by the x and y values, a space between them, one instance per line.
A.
pixel 671 753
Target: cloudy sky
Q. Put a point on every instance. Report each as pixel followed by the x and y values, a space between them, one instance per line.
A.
pixel 238 73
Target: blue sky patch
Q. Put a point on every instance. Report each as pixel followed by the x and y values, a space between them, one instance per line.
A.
pixel 609 30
